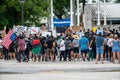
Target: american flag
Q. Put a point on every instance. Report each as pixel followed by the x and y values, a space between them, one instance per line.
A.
pixel 9 38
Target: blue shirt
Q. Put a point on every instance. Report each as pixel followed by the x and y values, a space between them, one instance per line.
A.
pixel 99 41
pixel 83 43
pixel 116 44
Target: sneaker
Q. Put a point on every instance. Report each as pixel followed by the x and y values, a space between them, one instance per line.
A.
pixel 83 59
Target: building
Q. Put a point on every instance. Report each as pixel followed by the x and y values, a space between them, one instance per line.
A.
pixel 111 10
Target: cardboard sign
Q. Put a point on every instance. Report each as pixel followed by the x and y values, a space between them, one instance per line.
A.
pixel 99 31
pixel 34 30
pixel 54 33
pixel 18 29
pixel 44 33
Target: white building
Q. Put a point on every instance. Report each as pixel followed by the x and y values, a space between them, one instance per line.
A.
pixel 112 12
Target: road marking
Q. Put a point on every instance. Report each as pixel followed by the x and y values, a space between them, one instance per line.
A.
pixel 78 77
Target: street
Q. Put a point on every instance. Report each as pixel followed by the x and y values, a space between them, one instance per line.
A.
pixel 63 76
pixel 79 70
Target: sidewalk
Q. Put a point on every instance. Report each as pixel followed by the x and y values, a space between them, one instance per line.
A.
pixel 12 66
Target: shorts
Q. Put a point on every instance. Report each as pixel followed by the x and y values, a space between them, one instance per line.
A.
pixel 84 51
pixel 51 51
pixel 115 49
pixel 45 51
pixel 100 50
pixel 72 49
pixel 76 50
pixel 1 50
pixel 12 50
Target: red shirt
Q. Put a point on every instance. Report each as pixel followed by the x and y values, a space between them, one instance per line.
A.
pixel 21 46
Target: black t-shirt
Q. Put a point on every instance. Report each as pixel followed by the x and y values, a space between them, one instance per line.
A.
pixel 44 44
pixel 50 43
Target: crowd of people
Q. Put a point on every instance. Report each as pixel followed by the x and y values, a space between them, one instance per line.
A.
pixel 80 46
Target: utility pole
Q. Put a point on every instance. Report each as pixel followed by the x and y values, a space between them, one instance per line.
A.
pixel 104 14
pixel 78 13
pixel 98 12
pixel 71 13
pixel 52 26
pixel 22 11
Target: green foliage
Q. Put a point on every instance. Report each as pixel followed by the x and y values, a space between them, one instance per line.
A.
pixel 10 11
pixel 62 7
pixel 36 9
pixel 117 1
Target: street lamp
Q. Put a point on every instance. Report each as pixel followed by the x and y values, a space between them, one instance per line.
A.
pixel 22 11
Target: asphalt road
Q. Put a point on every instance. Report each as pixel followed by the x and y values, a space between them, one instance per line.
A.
pixel 75 70
pixel 63 76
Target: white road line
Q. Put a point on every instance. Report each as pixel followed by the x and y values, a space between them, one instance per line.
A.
pixel 78 77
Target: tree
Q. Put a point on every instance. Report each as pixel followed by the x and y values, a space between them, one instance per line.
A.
pixel 35 9
pixel 62 7
pixel 117 1
pixel 10 11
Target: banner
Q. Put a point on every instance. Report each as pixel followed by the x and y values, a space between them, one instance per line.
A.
pixel 61 22
pixel 18 29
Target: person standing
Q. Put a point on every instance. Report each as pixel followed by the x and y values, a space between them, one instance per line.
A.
pixel 21 49
pixel 68 45
pixel 50 48
pixel 76 47
pixel 62 49
pixel 45 52
pixel 110 47
pixel 92 48
pixel 36 48
pixel 84 46
pixel 1 48
pixel 99 47
pixel 12 51
pixel 27 49
pixel 116 48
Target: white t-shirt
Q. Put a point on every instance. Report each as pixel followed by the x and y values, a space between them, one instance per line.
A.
pixel 110 40
pixel 62 45
pixel 1 44
pixel 79 34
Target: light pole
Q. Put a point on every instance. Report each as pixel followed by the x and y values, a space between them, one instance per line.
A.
pixel 78 13
pixel 105 23
pixel 71 13
pixel 98 12
pixel 22 11
pixel 52 26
